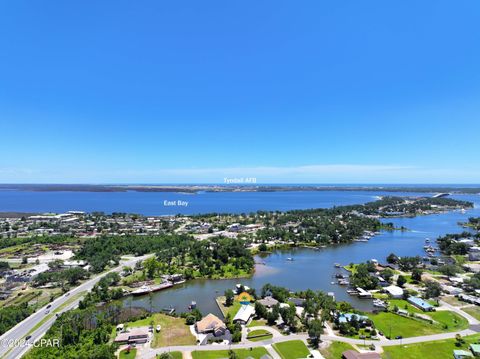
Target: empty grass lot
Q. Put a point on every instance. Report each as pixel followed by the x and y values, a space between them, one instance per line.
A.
pixel 428 350
pixel 256 353
pixel 292 349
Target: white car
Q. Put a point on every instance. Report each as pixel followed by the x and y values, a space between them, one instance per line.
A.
pixel 158 328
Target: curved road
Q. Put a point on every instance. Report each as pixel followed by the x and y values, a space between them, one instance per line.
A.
pixel 45 321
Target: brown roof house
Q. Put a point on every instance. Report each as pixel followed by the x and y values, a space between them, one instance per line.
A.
pixel 211 324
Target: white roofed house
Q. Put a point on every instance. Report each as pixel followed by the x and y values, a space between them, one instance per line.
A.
pixel 244 314
pixel 394 291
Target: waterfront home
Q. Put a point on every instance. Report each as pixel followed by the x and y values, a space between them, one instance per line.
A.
pixel 462 354
pixel 268 301
pixel 394 291
pixel 420 304
pixel 244 314
pixel 352 354
pixel 211 324
pixel 134 336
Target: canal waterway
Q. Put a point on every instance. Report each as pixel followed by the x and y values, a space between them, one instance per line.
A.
pixel 315 269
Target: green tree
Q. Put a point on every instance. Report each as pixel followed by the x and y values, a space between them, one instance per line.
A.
pixel 401 280
pixel 315 330
pixel 229 297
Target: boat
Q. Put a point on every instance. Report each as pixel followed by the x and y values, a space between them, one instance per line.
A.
pixel 337 265
pixel 343 282
pixel 145 289
pixel 289 259
pixel 192 305
pixel 427 240
pixel 379 303
pixel 168 310
pixel 352 291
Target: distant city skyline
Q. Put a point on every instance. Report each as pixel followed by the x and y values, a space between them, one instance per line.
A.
pixel 329 92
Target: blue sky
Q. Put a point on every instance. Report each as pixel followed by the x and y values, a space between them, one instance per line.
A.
pixel 190 91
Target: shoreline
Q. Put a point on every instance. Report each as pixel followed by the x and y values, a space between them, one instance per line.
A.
pixel 193 189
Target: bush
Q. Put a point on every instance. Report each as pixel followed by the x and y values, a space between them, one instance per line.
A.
pixel 190 320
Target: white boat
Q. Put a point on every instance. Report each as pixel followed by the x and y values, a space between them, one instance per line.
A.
pixel 379 303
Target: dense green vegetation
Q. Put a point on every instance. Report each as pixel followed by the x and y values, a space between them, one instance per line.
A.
pixel 83 333
pixel 10 316
pixel 174 253
pixel 61 277
pixel 448 244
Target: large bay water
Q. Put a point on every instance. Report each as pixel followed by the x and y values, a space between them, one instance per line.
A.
pixel 152 203
pixel 310 268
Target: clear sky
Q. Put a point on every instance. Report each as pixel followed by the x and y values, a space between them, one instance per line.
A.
pixel 195 91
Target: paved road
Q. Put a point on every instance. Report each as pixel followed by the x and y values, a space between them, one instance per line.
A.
pixel 21 329
pixel 151 352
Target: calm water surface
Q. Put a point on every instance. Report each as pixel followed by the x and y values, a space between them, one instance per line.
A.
pixel 152 203
pixel 315 268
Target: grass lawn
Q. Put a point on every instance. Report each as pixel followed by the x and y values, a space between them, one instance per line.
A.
pixel 403 304
pixel 474 311
pixel 428 350
pixel 174 330
pixel 257 335
pixel 409 327
pixel 292 349
pixel 130 355
pixel 256 353
pixel 351 268
pixel 233 309
pixel 335 350
pixel 175 355
pixel 451 320
pixel 257 322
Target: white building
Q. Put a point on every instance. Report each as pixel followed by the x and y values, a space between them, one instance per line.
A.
pixel 244 314
pixel 394 291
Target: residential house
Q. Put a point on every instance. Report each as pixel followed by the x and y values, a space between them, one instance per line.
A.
pixel 421 304
pixel 244 314
pixel 394 291
pixel 211 324
pixel 268 301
